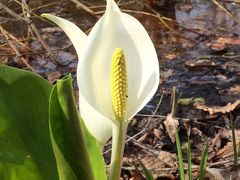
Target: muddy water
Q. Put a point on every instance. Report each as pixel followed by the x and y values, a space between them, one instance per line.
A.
pixel 193 25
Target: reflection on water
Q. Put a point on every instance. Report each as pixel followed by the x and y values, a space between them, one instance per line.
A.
pixel 192 24
pixel 201 16
pixel 204 14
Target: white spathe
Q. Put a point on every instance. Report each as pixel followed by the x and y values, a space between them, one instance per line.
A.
pixel 114 29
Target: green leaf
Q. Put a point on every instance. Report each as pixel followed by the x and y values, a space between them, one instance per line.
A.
pixel 185 101
pixel 189 159
pixel 56 123
pixel 95 150
pixel 148 174
pixel 203 163
pixel 180 158
pixel 67 134
pixel 26 151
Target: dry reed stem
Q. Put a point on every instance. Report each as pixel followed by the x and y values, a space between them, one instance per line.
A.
pixel 18 54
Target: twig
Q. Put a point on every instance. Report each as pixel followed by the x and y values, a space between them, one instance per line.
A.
pixel 226 11
pixel 18 54
pixel 31 11
pixel 44 6
pixel 147 149
pixel 36 32
pixel 9 11
pixel 20 42
pixel 161 17
pixel 26 15
pixel 231 160
pixel 161 117
pixel 33 27
pixel 147 124
pixel 84 7
pixel 166 24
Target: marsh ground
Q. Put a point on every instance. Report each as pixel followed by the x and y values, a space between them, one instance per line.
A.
pixel 198 46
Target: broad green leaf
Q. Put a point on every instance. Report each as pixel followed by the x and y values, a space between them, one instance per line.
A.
pixel 25 147
pixel 57 137
pixel 69 142
pixel 95 150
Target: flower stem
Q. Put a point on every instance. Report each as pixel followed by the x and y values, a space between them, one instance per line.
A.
pixel 118 143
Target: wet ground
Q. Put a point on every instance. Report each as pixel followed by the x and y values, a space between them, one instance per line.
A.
pixel 198 46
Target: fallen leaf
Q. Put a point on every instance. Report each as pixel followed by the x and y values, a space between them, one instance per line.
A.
pixel 196 131
pixel 157 133
pixel 151 162
pixel 171 125
pixel 143 137
pixel 226 151
pixel 53 76
pixel 234 90
pixel 213 174
pixel 166 74
pixel 217 109
pixel 216 141
pixel 164 160
pixel 221 43
pixel 171 56
pixel 136 175
pixel 199 64
pixel 186 7
pixel 169 159
pixel 222 174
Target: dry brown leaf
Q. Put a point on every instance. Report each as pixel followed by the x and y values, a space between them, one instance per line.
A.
pixel 216 141
pixel 214 174
pixel 234 90
pixel 166 74
pixel 196 131
pixel 186 7
pixel 226 151
pixel 169 159
pixel 171 56
pixel 227 134
pixel 171 125
pixel 201 63
pixel 222 42
pixel 222 174
pixel 157 133
pixel 228 40
pixel 136 176
pixel 217 109
pixel 231 173
pixel 143 137
pixel 54 76
pixel 164 160
pixel 151 162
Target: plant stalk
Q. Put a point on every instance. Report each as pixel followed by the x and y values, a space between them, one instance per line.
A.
pixel 189 159
pixel 118 143
pixel 180 158
pixel 235 151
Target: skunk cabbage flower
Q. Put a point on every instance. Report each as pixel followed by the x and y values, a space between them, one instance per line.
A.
pixel 114 30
